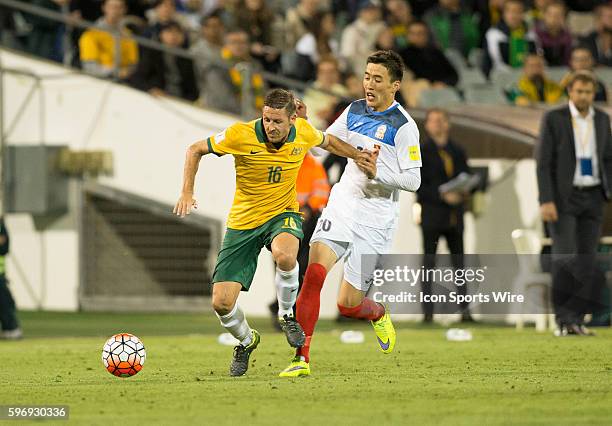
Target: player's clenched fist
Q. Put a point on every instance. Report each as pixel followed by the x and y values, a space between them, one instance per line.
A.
pixel 366 161
pixel 184 205
pixel 300 109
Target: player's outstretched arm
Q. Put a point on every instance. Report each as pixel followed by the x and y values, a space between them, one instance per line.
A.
pixel 192 161
pixel 406 180
pixel 343 149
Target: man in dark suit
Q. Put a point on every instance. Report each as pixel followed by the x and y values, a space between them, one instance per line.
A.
pixel 441 213
pixel 574 168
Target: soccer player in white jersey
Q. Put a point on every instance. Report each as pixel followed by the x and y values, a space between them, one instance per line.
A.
pixel 362 213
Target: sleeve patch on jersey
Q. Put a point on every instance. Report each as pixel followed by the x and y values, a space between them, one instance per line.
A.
pixel 413 153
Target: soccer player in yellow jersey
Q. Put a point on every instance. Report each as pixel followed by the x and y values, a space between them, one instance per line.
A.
pixel 268 154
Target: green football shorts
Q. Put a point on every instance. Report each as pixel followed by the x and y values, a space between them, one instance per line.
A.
pixel 237 260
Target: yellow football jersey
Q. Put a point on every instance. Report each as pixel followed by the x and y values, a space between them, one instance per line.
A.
pixel 265 175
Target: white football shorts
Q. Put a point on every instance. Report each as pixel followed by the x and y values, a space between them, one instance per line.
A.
pixel 350 240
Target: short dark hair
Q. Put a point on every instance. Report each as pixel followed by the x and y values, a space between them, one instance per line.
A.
pixel 281 99
pixel 170 25
pixel 582 76
pixel 391 61
pixel 215 14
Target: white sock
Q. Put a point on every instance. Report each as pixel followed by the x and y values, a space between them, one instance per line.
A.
pixel 286 289
pixel 236 324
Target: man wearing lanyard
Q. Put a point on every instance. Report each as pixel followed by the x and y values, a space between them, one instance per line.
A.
pixel 574 168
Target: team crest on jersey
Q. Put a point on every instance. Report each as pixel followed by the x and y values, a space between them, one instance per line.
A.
pixel 297 151
pixel 380 132
pixel 413 153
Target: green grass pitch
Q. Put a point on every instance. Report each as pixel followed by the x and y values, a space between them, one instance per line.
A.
pixel 501 377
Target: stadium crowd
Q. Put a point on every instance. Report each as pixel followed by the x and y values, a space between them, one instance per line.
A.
pixel 450 47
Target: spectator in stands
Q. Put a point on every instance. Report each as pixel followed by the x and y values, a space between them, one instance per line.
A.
pixel 224 82
pixel 574 170
pixel 582 60
pixel 510 41
pixel 426 61
pixel 399 17
pixel 207 50
pixel 256 19
pixel 490 13
pixel 454 27
pixel 91 10
pixel 164 12
pixel 599 42
pixel 162 73
pixel 441 213
pixel 534 87
pixel 44 38
pixel 321 104
pixel 97 45
pixel 359 38
pixel 385 40
pixel 553 39
pixel 299 20
pixel 318 42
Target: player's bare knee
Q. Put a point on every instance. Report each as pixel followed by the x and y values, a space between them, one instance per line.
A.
pixel 222 301
pixel 285 261
pixel 222 305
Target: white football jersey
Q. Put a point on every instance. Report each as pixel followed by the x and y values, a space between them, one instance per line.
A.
pixel 355 197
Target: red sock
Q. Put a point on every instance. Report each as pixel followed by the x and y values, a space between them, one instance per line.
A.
pixel 308 304
pixel 368 309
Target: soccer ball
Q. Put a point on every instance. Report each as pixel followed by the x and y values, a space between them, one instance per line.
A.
pixel 123 355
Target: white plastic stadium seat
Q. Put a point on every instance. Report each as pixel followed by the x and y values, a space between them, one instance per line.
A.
pixel 471 76
pixel 475 57
pixel 604 74
pixel 484 94
pixel 456 59
pixel 556 73
pixel 505 79
pixel 438 98
pixel 527 242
